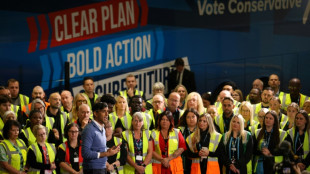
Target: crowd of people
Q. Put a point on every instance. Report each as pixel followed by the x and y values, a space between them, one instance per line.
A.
pixel 183 133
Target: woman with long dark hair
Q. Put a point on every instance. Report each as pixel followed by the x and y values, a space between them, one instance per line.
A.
pixel 298 136
pixel 187 125
pixel 266 140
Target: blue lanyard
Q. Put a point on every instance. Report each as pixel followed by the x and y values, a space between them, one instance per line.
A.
pixel 297 138
pixel 236 146
pixel 267 143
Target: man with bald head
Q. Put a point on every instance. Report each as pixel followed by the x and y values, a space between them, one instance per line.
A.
pixel 60 117
pixel 173 103
pixel 83 116
pixel 39 93
pixel 158 103
pixel 294 95
pixel 66 101
pixel 257 84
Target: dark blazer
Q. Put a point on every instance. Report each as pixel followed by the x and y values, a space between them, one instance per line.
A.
pixel 188 80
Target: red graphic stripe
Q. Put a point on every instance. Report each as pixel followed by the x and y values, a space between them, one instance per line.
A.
pixel 33 34
pixel 44 32
pixel 144 13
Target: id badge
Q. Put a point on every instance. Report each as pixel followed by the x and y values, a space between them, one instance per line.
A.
pixel 76 160
pixel 139 158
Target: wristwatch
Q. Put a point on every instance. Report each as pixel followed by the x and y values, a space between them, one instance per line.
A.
pixel 143 165
pixel 114 165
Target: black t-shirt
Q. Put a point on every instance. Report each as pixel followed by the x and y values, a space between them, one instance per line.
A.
pixel 74 153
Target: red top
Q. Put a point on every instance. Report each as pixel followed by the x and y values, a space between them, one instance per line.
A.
pixel 162 146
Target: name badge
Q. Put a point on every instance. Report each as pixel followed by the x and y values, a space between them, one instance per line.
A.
pixel 76 160
pixel 139 158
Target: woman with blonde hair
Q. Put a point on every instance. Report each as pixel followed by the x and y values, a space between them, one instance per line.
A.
pixel 181 89
pixel 238 147
pixel 246 111
pixel 194 100
pixel 79 99
pixel 41 155
pixel 205 147
pixel 120 115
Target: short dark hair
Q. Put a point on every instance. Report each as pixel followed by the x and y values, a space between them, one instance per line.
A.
pixel 87 78
pixel 206 96
pixel 99 106
pixel 168 114
pixel 108 98
pixel 7 127
pixel 269 89
pixel 229 98
pixel 5 99
pixel 12 81
pixel 179 62
pixel 135 96
pixel 32 112
pixel 68 127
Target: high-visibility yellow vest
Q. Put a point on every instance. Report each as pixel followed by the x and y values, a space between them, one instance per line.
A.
pixel 117 141
pixel 24 100
pixel 176 165
pixel 51 154
pixel 150 112
pixel 88 100
pixel 65 148
pixel 126 120
pixel 69 114
pixel 249 164
pixel 30 136
pixel 278 159
pixel 14 158
pixel 1 123
pixel 124 93
pixel 286 100
pixel 49 122
pixel 291 133
pixel 128 136
pixel 15 108
pixel 218 105
pixel 213 166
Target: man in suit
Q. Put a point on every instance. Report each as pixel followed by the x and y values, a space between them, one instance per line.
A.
pixel 181 76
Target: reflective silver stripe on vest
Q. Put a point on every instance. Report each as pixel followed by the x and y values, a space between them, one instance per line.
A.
pixel 147 120
pixel 196 160
pixel 217 104
pixel 70 117
pixel 215 142
pixel 212 159
pixel 306 151
pixel 27 109
pixel 282 134
pixel 15 108
pixel 126 122
pixel 26 133
pixel 51 121
pixel 284 101
pixel 9 153
pixel 254 110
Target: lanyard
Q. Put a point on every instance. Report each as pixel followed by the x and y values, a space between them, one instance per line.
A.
pixel 202 142
pixel 234 146
pixel 267 142
pixel 300 146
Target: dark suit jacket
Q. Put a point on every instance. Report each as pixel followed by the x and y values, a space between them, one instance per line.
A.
pixel 188 80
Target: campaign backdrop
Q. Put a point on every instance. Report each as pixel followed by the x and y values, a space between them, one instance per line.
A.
pixel 220 40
